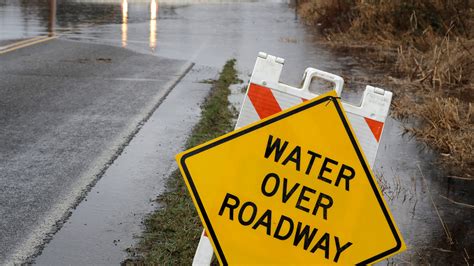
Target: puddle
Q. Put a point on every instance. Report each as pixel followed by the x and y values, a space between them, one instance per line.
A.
pixel 424 203
pixel 435 230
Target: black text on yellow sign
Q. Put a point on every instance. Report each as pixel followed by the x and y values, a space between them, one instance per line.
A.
pixel 292 188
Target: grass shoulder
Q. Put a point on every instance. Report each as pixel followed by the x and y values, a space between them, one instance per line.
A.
pixel 173 231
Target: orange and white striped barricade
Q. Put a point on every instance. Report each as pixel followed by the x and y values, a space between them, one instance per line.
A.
pixel 266 95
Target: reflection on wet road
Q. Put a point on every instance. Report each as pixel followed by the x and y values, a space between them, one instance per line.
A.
pixel 52 17
pixel 204 33
pixel 124 22
pixel 153 22
pixel 153 17
pixel 209 34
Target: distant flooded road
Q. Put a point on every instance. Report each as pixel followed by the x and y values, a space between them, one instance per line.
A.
pixel 424 204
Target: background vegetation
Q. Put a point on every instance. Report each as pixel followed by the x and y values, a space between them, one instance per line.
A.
pixel 427 48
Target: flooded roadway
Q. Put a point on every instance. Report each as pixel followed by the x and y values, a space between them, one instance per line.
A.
pixel 435 229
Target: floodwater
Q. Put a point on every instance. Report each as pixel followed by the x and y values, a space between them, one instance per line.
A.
pixel 426 205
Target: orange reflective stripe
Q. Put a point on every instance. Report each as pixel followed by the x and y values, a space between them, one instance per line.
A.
pixel 375 126
pixel 263 100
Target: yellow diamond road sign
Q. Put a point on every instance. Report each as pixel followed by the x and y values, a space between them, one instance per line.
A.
pixel 292 188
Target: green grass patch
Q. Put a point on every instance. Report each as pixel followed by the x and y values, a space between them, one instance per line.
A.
pixel 172 232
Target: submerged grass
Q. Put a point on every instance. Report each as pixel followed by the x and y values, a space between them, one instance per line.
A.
pixel 172 232
pixel 426 47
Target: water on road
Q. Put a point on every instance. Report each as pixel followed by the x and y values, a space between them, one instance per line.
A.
pixel 424 204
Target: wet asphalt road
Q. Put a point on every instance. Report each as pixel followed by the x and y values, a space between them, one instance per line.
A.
pixel 109 219
pixel 208 34
pixel 67 108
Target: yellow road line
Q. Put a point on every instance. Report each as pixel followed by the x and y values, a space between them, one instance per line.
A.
pixel 25 43
pixel 21 42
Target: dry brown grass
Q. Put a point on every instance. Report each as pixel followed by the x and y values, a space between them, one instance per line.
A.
pixel 447 66
pixel 427 48
pixel 446 123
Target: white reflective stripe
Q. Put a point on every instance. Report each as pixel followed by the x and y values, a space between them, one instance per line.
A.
pixel 247 115
pixel 365 137
pixel 285 100
pixel 204 251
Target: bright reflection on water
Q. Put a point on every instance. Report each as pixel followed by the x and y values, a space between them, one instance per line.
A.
pixel 124 22
pixel 153 18
pixel 153 9
pixel 52 17
pixel 26 19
